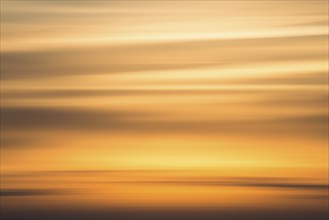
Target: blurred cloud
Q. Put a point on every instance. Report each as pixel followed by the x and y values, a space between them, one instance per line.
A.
pixel 61 118
pixel 29 192
pixel 320 78
pixel 313 23
pixel 14 142
pixel 159 56
pixel 169 213
pixel 41 118
pixel 265 95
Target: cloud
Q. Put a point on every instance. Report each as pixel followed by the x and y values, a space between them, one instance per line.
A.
pixel 317 78
pixel 183 213
pixel 311 23
pixel 30 192
pixel 273 95
pixel 68 119
pixel 297 101
pixel 18 118
pixel 303 189
pixel 299 186
pixel 284 183
pixel 15 142
pixel 167 177
pixel 156 56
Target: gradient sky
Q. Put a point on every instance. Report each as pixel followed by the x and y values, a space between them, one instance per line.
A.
pixel 207 104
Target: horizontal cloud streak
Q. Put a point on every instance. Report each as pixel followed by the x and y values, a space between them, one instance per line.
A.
pixel 158 56
pixel 61 118
pixel 299 186
pixel 163 214
pixel 36 118
pixel 15 142
pixel 269 95
pixel 30 192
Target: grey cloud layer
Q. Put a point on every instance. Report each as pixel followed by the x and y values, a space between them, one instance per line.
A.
pixel 30 192
pixel 39 118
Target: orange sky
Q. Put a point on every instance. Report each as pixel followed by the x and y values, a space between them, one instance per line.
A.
pixel 216 88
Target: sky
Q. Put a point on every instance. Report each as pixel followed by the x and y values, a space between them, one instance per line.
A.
pixel 164 109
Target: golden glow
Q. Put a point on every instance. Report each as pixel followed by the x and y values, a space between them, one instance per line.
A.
pixel 165 104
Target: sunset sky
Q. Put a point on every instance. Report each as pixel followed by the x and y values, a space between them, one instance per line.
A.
pixel 162 107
